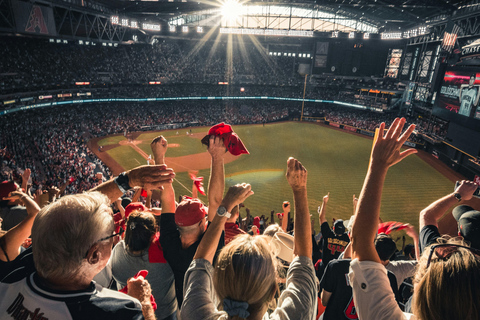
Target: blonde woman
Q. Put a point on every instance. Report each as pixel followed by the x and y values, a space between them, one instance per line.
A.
pixel 243 284
pixel 447 280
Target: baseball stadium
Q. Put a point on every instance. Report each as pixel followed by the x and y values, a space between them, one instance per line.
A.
pixel 240 159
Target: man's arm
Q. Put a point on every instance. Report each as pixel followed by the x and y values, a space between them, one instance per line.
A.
pixel 209 243
pixel 17 235
pixel 25 177
pixel 321 212
pixel 216 183
pixel 355 202
pixel 297 179
pixel 140 289
pixel 431 214
pixel 120 208
pixel 410 230
pixel 477 93
pixel 137 194
pixel 159 147
pixel 194 191
pixel 147 177
pixel 385 153
pixel 325 296
pixel 285 221
pixel 463 86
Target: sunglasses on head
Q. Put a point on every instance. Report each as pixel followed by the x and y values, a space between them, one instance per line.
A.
pixel 445 250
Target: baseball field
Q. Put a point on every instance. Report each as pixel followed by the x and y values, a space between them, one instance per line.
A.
pixel 336 162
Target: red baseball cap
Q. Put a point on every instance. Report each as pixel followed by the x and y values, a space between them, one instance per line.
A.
pixel 6 187
pixel 189 212
pixel 134 206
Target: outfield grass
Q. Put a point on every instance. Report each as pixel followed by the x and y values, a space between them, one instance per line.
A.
pixel 127 157
pixel 336 162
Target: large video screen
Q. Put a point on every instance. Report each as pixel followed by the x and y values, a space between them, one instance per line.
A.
pixel 458 97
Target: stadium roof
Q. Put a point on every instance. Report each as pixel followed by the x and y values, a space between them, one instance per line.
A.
pixel 386 15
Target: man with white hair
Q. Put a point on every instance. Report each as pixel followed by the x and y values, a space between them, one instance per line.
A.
pixel 72 241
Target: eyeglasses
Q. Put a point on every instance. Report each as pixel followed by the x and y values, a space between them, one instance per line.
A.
pixel 106 238
pixel 119 233
pixel 445 250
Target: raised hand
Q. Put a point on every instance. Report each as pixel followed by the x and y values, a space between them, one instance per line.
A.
pixel 386 149
pixel 216 147
pixel 159 147
pixel 26 174
pixel 296 174
pixel 151 177
pixel 325 198
pixel 236 195
pixel 31 206
pixel 466 189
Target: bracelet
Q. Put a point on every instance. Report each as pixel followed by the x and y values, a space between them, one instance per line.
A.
pixel 122 182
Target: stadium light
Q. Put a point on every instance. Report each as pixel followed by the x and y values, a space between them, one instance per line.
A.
pixel 199 29
pixel 171 28
pixel 231 9
pixel 114 19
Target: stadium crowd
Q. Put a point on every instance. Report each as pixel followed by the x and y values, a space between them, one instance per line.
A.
pixel 170 62
pixel 53 141
pixel 190 260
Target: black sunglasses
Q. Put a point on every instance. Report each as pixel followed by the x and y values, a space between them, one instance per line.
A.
pixel 445 250
pixel 106 238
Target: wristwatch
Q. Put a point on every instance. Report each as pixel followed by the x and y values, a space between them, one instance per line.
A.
pixel 122 182
pixel 458 196
pixel 222 212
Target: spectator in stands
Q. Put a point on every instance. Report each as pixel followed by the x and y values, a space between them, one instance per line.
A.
pixel 244 279
pixel 284 216
pixel 403 269
pixel 141 250
pixel 336 292
pixel 446 272
pixel 231 227
pixel 334 241
pixel 11 209
pixel 11 240
pixel 468 218
pixel 182 228
pixel 73 240
pixel 66 260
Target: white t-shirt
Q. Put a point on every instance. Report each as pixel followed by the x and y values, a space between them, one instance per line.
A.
pixel 374 299
pixel 469 95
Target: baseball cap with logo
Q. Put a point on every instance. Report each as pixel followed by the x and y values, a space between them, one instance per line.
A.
pixel 468 220
pixel 339 227
pixel 189 212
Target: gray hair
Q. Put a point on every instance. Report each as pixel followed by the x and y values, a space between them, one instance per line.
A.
pixel 65 230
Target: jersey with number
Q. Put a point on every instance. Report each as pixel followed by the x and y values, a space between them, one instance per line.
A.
pixel 469 95
pixel 333 244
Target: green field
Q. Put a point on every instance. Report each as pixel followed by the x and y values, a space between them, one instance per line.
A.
pixel 336 162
